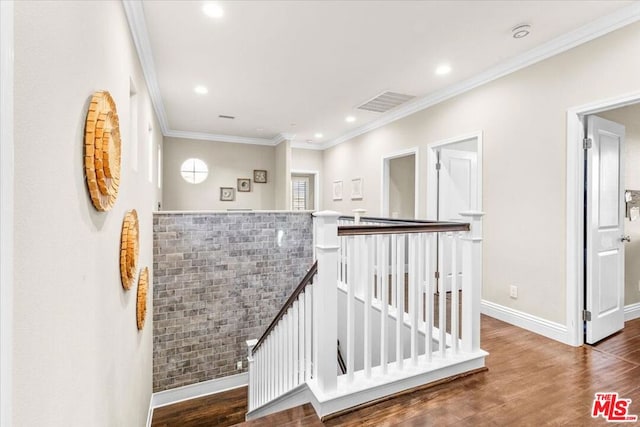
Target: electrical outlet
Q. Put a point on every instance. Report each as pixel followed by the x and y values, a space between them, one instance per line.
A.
pixel 239 364
pixel 513 291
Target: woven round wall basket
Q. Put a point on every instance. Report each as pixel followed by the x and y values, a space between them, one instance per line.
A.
pixel 129 249
pixel 102 151
pixel 141 303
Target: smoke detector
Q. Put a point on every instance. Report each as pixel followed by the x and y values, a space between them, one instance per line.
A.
pixel 520 31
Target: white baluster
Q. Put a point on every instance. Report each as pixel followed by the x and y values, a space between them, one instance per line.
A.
pixel 399 262
pixel 471 282
pixel 368 290
pixel 308 312
pixel 384 300
pixel 294 341
pixel 394 272
pixel 345 264
pixel 442 300
pixel 378 267
pixel 263 373
pixel 413 295
pixel 428 340
pixel 422 240
pixel 278 356
pixel 288 373
pixel 291 373
pixel 301 317
pixel 351 308
pixel 283 359
pixel 270 366
pixel 454 293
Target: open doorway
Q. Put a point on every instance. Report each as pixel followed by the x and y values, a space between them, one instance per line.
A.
pixel 399 185
pixel 612 220
pixel 602 151
pixel 454 185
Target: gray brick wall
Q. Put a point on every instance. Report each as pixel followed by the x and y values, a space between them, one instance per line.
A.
pixel 219 279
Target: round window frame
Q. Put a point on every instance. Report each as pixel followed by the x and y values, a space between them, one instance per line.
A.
pixel 194 173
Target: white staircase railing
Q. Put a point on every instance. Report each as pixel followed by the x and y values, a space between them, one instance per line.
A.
pixel 394 329
pixel 281 359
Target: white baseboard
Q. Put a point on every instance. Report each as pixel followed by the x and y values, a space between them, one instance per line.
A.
pixel 553 330
pixel 296 397
pixel 632 311
pixel 193 391
pixel 150 412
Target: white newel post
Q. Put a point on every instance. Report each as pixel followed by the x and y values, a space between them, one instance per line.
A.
pixel 358 214
pixel 252 378
pixel 471 282
pixel 325 301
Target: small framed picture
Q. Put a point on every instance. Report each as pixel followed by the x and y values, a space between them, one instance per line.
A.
pixel 337 190
pixel 244 184
pixel 260 176
pixel 227 194
pixel 356 189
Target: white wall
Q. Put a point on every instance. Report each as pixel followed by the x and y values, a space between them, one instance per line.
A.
pixel 402 189
pixel 308 160
pixel 282 176
pixel 630 118
pixel 226 162
pixel 79 359
pixel 523 116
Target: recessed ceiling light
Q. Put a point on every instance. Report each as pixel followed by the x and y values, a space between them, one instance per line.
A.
pixel 318 135
pixel 309 141
pixel 350 119
pixel 521 31
pixel 201 90
pixel 259 129
pixel 212 10
pixel 443 69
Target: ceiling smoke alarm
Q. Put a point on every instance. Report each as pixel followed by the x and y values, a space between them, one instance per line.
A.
pixel 520 31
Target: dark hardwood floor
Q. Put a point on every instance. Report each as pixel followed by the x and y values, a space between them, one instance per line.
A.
pixel 531 381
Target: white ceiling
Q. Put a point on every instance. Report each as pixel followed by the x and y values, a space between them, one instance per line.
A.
pixel 301 67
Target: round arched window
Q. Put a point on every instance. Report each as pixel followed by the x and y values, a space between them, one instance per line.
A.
pixel 194 171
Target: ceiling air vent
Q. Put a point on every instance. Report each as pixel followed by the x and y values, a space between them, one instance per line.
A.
pixel 385 102
pixel 222 116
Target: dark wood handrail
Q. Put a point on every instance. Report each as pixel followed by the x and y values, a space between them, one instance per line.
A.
pixel 308 278
pixel 402 228
pixel 389 220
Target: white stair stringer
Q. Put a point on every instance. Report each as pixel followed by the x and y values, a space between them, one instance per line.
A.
pixel 363 390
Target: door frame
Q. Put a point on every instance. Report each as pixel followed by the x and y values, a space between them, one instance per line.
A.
pixel 432 178
pixel 575 204
pixel 6 208
pixel 316 185
pixel 384 203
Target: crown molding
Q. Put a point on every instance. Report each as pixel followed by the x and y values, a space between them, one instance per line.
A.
pixel 204 136
pixel 307 146
pixel 282 137
pixel 584 34
pixel 137 25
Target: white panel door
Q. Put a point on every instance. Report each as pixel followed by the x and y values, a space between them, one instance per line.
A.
pixel 458 192
pixel 605 229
